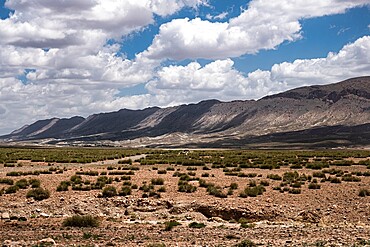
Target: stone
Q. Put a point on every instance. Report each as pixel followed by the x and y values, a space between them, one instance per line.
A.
pixel 5 216
pixel 47 242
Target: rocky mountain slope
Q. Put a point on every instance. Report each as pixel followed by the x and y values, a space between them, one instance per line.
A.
pixel 339 113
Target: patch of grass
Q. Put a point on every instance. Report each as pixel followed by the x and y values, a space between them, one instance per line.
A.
pixel 12 189
pixel 197 225
pixel 314 186
pixel 35 183
pixel 184 186
pixel 169 225
pixel 81 221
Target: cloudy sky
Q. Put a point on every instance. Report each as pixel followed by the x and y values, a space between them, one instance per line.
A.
pixel 78 57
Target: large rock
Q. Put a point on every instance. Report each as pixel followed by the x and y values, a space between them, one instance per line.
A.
pixel 5 216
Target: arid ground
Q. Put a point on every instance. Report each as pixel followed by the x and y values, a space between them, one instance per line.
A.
pixel 204 198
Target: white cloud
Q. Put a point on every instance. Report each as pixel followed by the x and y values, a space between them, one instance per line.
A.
pixel 264 24
pixel 219 80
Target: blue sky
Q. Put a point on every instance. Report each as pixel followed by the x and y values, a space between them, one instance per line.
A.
pixel 79 57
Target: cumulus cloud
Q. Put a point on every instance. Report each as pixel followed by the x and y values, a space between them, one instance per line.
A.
pixel 220 80
pixel 264 24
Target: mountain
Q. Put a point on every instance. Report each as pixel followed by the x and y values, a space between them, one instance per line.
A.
pixel 330 115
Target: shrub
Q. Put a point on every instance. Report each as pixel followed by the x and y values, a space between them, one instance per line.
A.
pixel 109 191
pixel 186 187
pixel 314 186
pixel 169 225
pixel 125 190
pixel 233 186
pixel 253 191
pixel 364 192
pixel 12 189
pixel 35 183
pixel 216 191
pixel 22 184
pixel 197 225
pixel 162 171
pixel 81 221
pixel 264 183
pixel 63 186
pixel 295 191
pixel 162 189
pixel 38 194
pixel 274 177
pixel 157 181
pixel 7 181
pixel 245 243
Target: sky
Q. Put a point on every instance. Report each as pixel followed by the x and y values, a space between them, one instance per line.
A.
pixel 80 57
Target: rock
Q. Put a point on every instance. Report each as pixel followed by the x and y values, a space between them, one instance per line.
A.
pixel 47 242
pixel 5 216
pixel 10 243
pixel 44 215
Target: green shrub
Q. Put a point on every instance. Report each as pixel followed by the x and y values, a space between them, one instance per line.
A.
pixel 22 183
pixel 197 225
pixel 12 189
pixel 184 186
pixel 169 225
pixel 233 186
pixel 7 181
pixel 162 189
pixel 216 191
pixel 35 183
pixel 81 221
pixel 125 191
pixel 274 177
pixel 253 191
pixel 38 194
pixel 245 243
pixel 157 181
pixel 364 192
pixel 162 171
pixel 314 186
pixel 109 191
pixel 63 186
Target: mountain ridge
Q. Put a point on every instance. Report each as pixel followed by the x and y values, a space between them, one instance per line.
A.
pixel 345 103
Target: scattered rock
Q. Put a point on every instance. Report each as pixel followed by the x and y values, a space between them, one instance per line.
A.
pixel 5 216
pixel 47 242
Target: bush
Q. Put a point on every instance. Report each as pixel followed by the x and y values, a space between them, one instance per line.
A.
pixel 245 243
pixel 12 189
pixel 38 194
pixel 162 171
pixel 186 187
pixel 22 184
pixel 274 177
pixel 35 183
pixel 216 191
pixel 169 225
pixel 125 191
pixel 7 181
pixel 63 186
pixel 253 191
pixel 157 181
pixel 196 225
pixel 364 192
pixel 109 191
pixel 233 186
pixel 81 221
pixel 314 186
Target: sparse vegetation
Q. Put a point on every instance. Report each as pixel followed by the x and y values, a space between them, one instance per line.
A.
pixel 81 221
pixel 38 194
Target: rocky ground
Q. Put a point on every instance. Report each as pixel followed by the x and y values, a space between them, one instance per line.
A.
pixel 334 215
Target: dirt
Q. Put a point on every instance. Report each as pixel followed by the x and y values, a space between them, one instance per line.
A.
pixel 334 215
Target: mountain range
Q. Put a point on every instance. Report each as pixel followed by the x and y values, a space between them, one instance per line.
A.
pixel 334 115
